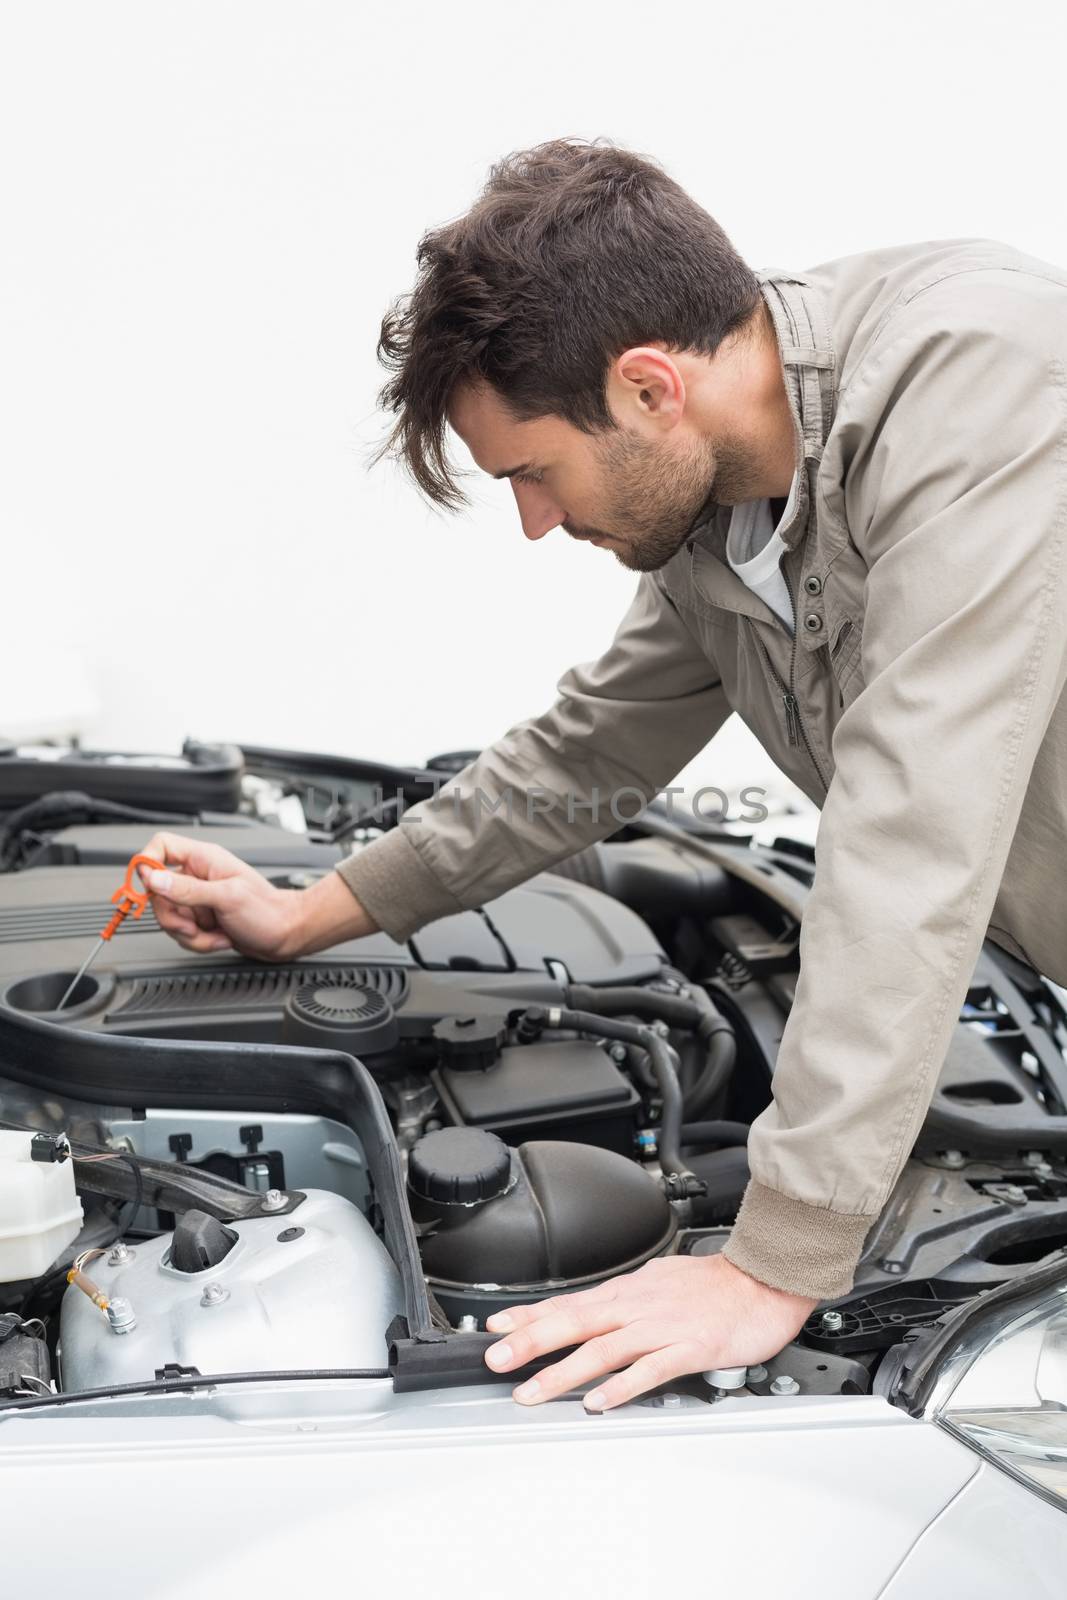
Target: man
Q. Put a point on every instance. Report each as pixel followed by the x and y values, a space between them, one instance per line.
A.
pixel 846 494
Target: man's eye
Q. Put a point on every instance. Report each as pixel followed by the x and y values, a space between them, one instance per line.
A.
pixel 527 477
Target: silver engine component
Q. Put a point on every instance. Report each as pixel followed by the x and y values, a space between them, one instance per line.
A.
pixel 270 803
pixel 315 1288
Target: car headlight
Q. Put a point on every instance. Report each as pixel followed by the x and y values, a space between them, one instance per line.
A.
pixel 1003 1390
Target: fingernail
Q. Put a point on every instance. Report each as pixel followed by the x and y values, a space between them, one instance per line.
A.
pixel 527 1391
pixel 499 1355
pixel 500 1322
pixel 595 1401
pixel 160 880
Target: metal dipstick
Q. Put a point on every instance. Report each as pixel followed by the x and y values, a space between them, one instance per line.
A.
pixel 127 899
pixel 80 974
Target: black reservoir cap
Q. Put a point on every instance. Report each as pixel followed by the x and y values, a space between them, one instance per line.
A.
pixel 471 1042
pixel 459 1166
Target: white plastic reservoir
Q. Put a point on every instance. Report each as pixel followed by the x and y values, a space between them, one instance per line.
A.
pixel 39 1211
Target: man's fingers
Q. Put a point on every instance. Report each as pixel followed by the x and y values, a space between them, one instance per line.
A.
pixel 567 1325
pixel 188 901
pixel 604 1353
pixel 659 1366
pixel 169 848
pixel 522 1316
pixel 204 943
pixel 183 919
pixel 182 925
pixel 174 921
pixel 519 1316
pixel 185 890
pixel 195 857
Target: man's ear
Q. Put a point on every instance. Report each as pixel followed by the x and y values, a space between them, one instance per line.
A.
pixel 644 385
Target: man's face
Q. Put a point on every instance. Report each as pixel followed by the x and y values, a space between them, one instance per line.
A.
pixel 623 490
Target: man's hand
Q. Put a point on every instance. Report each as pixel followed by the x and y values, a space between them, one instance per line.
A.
pixel 213 901
pixel 675 1315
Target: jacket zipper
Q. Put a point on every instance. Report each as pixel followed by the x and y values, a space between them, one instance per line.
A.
pixel 794 724
pixel 796 732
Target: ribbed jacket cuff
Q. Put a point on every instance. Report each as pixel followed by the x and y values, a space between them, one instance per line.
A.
pixel 392 882
pixel 791 1245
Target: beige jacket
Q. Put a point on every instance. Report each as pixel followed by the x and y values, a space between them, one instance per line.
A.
pixel 920 705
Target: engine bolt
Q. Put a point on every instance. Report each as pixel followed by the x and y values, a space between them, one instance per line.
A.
pixel 467 1324
pixel 832 1321
pixel 120 1255
pixel 757 1374
pixel 120 1315
pixel 1033 1158
pixel 671 1401
pixel 214 1294
pixel 784 1384
pixel 617 1052
pixel 274 1200
pixel 953 1158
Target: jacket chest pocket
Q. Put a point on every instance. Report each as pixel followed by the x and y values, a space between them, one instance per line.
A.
pixel 843 649
pixel 844 585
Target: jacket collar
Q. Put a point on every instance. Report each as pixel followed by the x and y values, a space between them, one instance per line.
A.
pixel 809 367
pixel 809 370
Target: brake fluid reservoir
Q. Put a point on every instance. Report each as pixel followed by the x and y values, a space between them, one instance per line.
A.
pixel 39 1211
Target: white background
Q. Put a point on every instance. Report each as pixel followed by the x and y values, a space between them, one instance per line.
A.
pixel 206 208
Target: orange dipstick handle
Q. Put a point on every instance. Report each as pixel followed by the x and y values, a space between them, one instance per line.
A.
pixel 128 898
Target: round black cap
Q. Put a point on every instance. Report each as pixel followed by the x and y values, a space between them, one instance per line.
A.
pixel 472 1041
pixel 459 1166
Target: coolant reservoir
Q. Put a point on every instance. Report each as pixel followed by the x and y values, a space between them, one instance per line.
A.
pixel 39 1211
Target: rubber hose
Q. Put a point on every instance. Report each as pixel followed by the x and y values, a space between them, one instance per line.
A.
pixel 670 1008
pixel 720 1043
pixel 670 1092
pixel 698 1014
pixel 719 1064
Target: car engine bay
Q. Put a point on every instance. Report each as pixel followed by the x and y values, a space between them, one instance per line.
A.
pixel 344 1164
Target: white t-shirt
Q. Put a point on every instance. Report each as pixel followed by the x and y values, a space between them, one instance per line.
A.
pixel 754 550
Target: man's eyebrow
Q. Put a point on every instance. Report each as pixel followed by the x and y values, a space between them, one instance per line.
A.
pixel 510 472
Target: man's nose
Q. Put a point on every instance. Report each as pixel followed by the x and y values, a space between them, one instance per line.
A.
pixel 538 512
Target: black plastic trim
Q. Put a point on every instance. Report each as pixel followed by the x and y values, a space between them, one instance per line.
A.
pixel 113 1069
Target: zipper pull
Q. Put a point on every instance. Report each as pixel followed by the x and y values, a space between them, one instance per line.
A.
pixel 792 716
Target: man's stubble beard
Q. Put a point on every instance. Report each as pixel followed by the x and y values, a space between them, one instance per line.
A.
pixel 655 498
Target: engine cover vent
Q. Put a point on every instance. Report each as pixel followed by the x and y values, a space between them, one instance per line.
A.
pixel 340 1004
pixel 21 923
pixel 341 1012
pixel 234 988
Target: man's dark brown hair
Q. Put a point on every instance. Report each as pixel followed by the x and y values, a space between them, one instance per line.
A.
pixel 572 253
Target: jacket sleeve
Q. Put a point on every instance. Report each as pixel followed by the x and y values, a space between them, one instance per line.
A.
pixel 621 729
pixel 956 496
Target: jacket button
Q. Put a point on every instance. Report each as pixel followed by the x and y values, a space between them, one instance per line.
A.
pixel 813 622
pixel 813 584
